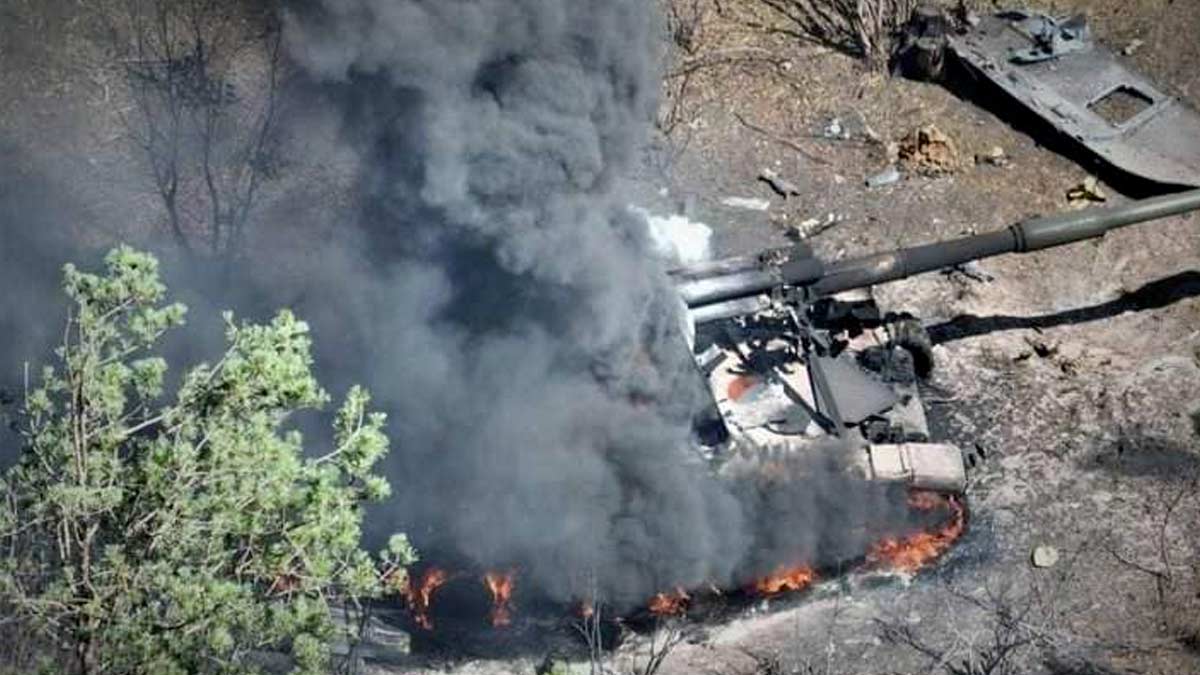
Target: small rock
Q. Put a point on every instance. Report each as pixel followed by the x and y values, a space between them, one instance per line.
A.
pixel 928 151
pixel 996 157
pixel 1040 347
pixel 747 203
pixel 1045 556
pixel 1132 47
pixel 888 176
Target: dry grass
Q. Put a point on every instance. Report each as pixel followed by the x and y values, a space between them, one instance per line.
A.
pixel 864 28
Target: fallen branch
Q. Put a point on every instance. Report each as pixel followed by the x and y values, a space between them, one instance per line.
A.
pixel 781 140
pixel 727 57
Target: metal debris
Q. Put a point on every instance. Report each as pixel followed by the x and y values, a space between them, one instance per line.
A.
pixel 1133 46
pixel 1086 92
pixel 1051 38
pixel 888 176
pixel 814 226
pixel 834 130
pixel 970 271
pixel 747 203
pixel 1086 193
pixel 922 51
pixel 782 187
pixel 852 126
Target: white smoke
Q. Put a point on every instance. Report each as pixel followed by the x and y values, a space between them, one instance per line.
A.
pixel 677 239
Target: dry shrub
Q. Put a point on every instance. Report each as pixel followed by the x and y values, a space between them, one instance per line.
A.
pixel 685 19
pixel 864 28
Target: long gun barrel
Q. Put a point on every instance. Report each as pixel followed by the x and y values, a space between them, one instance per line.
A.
pixel 735 283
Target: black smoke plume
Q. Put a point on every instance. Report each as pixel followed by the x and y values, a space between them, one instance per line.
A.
pixel 525 340
pixel 518 328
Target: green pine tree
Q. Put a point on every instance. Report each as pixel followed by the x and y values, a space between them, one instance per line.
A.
pixel 145 533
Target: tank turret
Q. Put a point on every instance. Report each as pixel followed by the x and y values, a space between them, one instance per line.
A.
pixel 798 358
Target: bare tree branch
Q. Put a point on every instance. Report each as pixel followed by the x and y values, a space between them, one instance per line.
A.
pixel 862 28
pixel 203 83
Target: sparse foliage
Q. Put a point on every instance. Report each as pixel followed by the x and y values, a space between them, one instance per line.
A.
pixel 667 634
pixel 590 627
pixel 203 80
pixel 685 20
pixel 1000 647
pixel 142 535
pixel 864 28
pixel 1011 624
pixel 1174 561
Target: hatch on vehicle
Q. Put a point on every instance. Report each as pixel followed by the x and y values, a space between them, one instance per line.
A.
pixel 1054 68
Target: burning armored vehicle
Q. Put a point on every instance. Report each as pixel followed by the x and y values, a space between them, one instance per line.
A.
pixel 803 369
pixel 799 359
pixel 804 372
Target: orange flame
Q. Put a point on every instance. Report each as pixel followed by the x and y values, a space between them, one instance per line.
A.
pixel 420 594
pixel 911 553
pixel 670 604
pixel 500 585
pixel 786 580
pixel 904 554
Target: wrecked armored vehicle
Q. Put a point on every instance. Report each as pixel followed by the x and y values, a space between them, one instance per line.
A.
pixel 1054 68
pixel 799 359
